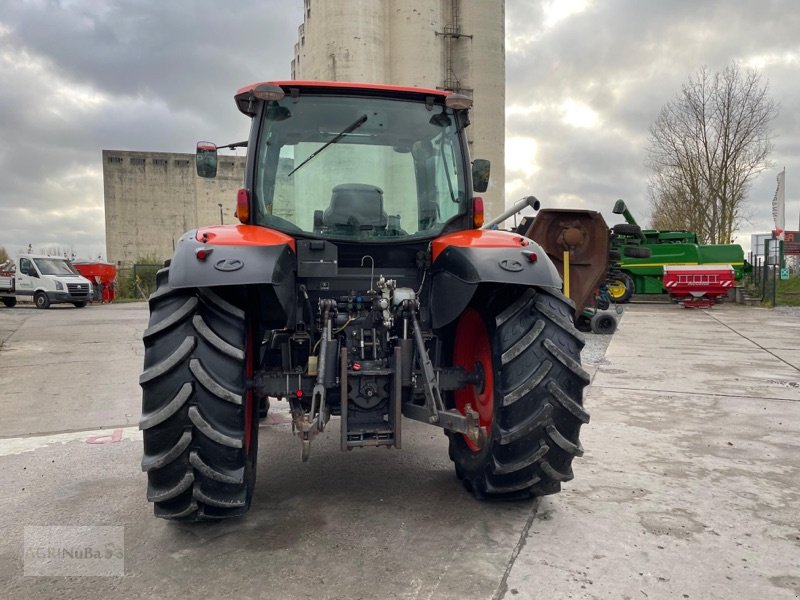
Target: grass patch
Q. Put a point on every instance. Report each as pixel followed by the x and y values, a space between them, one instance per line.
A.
pixel 788 292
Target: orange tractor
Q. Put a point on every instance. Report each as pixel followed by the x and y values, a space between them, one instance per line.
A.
pixel 358 286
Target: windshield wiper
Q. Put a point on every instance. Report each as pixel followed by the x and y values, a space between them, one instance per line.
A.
pixel 349 129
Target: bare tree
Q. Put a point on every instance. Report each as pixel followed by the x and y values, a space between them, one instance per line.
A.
pixel 3 255
pixel 705 147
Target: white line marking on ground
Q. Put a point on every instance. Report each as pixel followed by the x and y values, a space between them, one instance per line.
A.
pixel 19 445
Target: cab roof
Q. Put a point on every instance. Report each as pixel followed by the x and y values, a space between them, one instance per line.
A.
pixel 244 96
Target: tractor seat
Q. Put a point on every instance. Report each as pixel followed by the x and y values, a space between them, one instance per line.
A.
pixel 356 205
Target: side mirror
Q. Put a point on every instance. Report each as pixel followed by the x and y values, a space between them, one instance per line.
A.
pixel 206 160
pixel 480 174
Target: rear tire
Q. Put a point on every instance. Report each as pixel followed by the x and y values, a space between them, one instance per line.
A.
pixel 535 385
pixel 198 418
pixel 41 300
pixel 10 302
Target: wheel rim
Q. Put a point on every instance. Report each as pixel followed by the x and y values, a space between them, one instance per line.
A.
pixel 474 352
pixel 616 289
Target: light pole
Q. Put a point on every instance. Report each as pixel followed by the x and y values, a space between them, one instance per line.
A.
pixel 220 212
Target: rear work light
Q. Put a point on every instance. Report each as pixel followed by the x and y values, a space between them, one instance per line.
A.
pixel 458 101
pixel 269 91
pixel 243 205
pixel 477 212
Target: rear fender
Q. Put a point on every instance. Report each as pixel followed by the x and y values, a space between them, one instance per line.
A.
pixel 236 255
pixel 463 260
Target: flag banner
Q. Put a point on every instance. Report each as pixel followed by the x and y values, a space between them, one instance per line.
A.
pixel 779 204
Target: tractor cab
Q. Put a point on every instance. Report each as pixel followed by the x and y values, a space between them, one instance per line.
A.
pixel 326 162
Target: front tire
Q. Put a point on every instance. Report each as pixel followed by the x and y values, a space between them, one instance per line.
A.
pixel 620 288
pixel 198 417
pixel 79 304
pixel 41 300
pixel 531 398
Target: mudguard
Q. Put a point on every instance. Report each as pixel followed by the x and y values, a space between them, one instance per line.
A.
pixel 236 255
pixel 463 260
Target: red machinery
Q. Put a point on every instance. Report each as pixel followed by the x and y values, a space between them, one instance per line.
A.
pixel 103 276
pixel 698 286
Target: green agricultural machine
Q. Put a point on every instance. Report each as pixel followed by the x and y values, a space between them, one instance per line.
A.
pixel 641 272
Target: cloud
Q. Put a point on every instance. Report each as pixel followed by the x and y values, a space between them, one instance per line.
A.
pixel 81 76
pixel 584 81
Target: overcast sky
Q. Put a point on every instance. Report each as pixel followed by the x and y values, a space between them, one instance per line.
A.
pixel 585 80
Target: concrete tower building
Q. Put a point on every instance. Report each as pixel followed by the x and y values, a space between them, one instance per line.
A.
pixel 152 198
pixel 456 45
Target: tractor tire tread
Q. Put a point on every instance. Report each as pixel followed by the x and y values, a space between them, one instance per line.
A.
pixel 168 493
pixel 529 384
pixel 179 315
pixel 524 343
pixel 169 363
pixel 212 338
pixel 218 501
pixel 169 409
pixel 569 362
pixel 208 430
pixel 236 476
pixel 568 403
pixel 209 383
pixel 214 299
pixel 558 318
pixel 184 513
pixel 575 449
pixel 158 461
pixel 516 307
pixel 528 460
pixel 193 409
pixel 534 421
pixel 538 393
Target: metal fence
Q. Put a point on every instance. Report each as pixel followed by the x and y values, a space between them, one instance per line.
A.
pixel 138 281
pixel 770 269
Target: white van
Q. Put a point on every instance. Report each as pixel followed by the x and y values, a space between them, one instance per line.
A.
pixel 46 280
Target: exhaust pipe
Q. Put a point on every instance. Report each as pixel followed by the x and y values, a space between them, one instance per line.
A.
pixel 518 206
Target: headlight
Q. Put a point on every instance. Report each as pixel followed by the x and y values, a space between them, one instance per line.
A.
pixel 59 286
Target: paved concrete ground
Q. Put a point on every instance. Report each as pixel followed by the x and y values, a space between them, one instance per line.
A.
pixel 690 485
pixel 688 489
pixel 68 369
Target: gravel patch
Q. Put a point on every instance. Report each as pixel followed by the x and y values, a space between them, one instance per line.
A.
pixel 594 351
